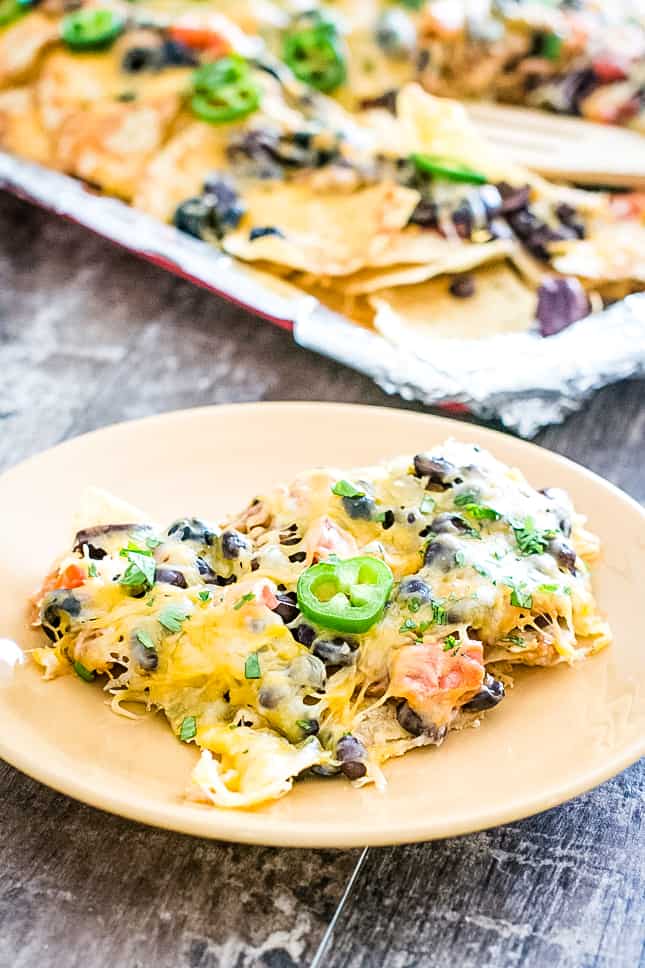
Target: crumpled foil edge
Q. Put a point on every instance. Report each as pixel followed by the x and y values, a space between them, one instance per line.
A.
pixel 521 379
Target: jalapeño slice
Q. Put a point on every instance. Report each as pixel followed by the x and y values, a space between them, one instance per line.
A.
pixel 348 596
pixel 92 29
pixel 314 55
pixel 224 90
pixel 447 168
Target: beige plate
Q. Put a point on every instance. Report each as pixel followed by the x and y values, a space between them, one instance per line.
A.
pixel 558 733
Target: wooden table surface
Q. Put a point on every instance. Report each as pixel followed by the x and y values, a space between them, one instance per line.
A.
pixel 89 336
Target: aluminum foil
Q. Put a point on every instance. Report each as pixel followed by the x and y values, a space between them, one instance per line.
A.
pixel 521 379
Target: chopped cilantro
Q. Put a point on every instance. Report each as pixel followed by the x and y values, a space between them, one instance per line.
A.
pixel 140 570
pixel 530 540
pixel 427 504
pixel 188 729
pixel 422 628
pixel 243 600
pixel 460 559
pixel 252 666
pixel 480 512
pixel 548 588
pixel 346 489
pixel 153 543
pixel 144 639
pixel 515 639
pixel 91 570
pixel 414 604
pixel 408 625
pixel 172 616
pixel 466 497
pixel 567 590
pixel 87 674
pixel 439 614
pixel 521 598
pixel 481 571
pixel 450 642
pixel 204 596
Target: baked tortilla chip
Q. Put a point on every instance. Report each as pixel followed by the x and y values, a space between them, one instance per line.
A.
pixel 21 45
pixel 456 257
pixel 326 234
pixel 501 303
pixel 20 129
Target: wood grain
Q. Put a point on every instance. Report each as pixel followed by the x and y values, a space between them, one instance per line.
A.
pixel 89 336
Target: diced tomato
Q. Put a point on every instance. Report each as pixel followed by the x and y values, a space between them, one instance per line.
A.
pixel 629 205
pixel 428 677
pixel 71 577
pixel 607 69
pixel 268 598
pixel 206 31
pixel 325 537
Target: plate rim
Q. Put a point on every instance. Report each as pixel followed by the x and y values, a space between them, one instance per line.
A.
pixel 252 827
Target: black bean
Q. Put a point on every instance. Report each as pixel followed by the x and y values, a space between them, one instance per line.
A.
pixel 325 770
pixel 94 538
pixel 192 529
pixel 304 634
pixel 410 721
pixel 57 610
pixel 146 659
pixel 437 469
pixel 232 544
pixel 559 498
pixel 463 287
pixel 387 101
pixel 449 523
pixel 171 576
pixel 269 697
pixel 335 652
pixel 441 553
pixel 262 231
pixel 388 519
pixel 563 554
pixel 310 727
pixel 358 507
pixel 176 54
pixel 351 752
pixel 413 587
pixel 426 213
pixel 287 607
pixel 205 570
pixel 513 198
pixel 561 301
pixel 194 217
pixel 298 556
pixel 139 59
pixel 491 693
pixel 222 582
pixel 569 217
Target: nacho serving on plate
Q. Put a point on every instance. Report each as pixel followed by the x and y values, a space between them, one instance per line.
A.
pixel 336 622
pixel 401 220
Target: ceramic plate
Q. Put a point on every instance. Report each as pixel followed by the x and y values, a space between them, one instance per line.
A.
pixel 559 733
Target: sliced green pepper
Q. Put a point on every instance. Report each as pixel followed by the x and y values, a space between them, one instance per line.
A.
pixel 10 10
pixel 447 168
pixel 348 596
pixel 315 56
pixel 224 91
pixel 92 29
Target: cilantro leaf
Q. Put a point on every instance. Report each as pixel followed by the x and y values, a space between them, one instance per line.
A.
pixel 531 541
pixel 450 642
pixel 480 512
pixel 427 505
pixel 346 489
pixel 171 617
pixel 141 569
pixel 466 497
pixel 252 666
pixel 243 600
pixel 521 598
pixel 91 570
pixel 144 639
pixel 548 588
pixel 204 595
pixel 188 729
pixel 88 675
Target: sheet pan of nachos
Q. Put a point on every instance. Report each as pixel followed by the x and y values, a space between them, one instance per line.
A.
pixel 383 229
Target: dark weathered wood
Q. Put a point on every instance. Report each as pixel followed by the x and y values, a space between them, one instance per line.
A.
pixel 89 336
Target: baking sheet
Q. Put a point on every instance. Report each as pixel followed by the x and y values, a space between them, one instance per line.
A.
pixel 521 379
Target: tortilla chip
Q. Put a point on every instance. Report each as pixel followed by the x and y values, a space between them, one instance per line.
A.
pixel 356 308
pixel 456 257
pixel 612 253
pixel 502 303
pixel 112 143
pixel 21 45
pixel 178 171
pixel 20 129
pixel 325 234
